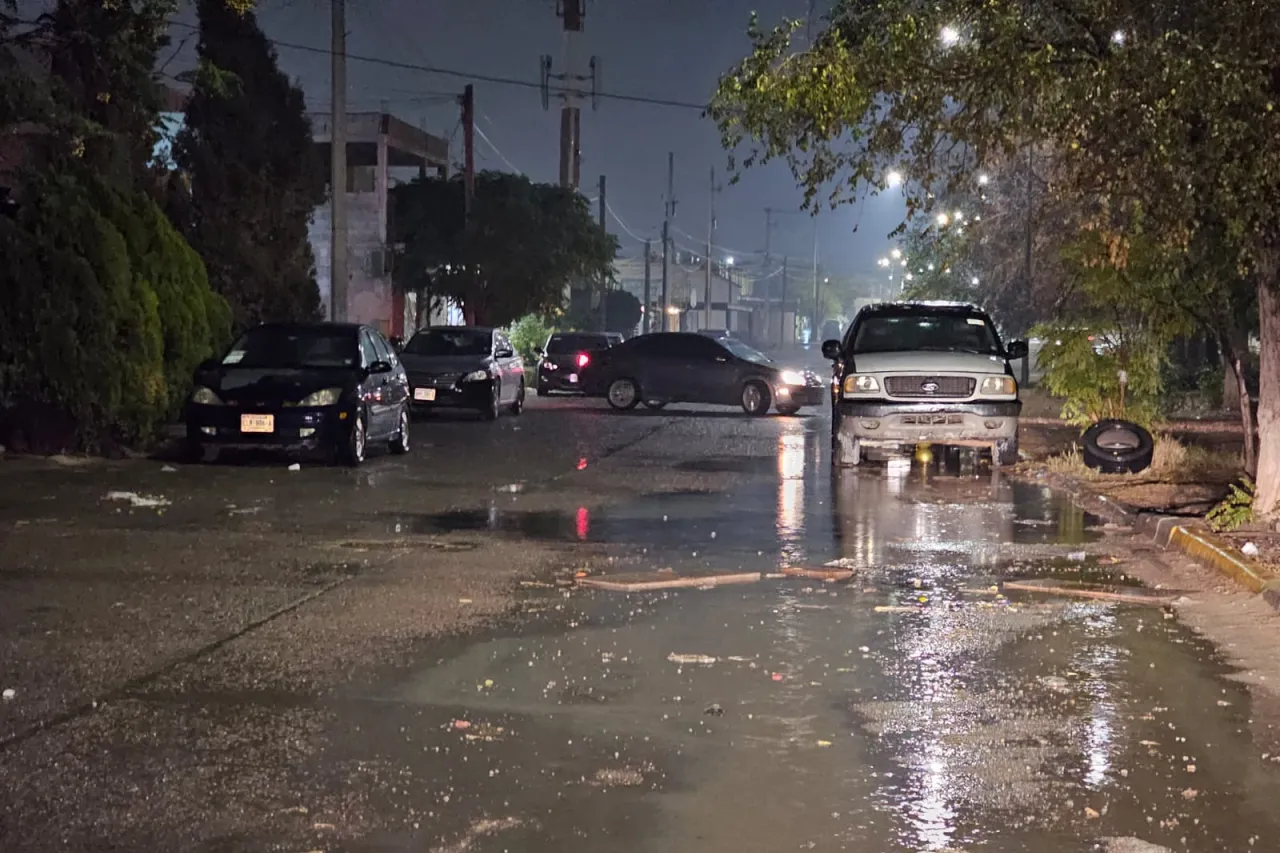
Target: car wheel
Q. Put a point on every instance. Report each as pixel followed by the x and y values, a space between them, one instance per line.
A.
pixel 491 411
pixel 756 399
pixel 656 405
pixel 400 441
pixel 354 449
pixel 787 411
pixel 195 452
pixel 1006 451
pixel 542 390
pixel 623 394
pixel 1117 447
pixel 518 406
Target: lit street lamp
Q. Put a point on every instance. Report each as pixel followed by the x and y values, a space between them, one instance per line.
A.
pixel 942 220
pixel 895 254
pixel 984 179
pixel 949 36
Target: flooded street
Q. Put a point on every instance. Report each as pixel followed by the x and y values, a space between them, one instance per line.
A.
pixel 399 659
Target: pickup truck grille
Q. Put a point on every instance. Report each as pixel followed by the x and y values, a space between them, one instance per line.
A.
pixel 930 387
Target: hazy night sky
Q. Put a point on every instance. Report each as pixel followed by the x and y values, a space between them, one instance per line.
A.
pixel 673 49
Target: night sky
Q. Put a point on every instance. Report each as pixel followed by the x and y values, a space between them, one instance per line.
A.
pixel 669 49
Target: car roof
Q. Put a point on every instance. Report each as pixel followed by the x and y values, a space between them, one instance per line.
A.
pixel 481 329
pixel 924 307
pixel 583 334
pixel 292 326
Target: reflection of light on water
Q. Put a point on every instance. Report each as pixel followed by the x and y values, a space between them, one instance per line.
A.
pixel 1100 661
pixel 791 497
pixel 583 522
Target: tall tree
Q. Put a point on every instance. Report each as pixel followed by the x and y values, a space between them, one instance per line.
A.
pixel 525 244
pixel 1163 114
pixel 255 176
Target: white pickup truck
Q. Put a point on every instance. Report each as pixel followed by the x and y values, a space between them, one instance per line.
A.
pixel 909 373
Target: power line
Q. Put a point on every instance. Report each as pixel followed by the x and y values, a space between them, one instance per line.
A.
pixel 623 225
pixel 513 167
pixel 466 75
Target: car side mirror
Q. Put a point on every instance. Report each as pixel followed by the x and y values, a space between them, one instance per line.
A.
pixel 831 350
pixel 380 367
pixel 1018 349
pixel 504 353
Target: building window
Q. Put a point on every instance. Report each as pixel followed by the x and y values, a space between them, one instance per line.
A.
pixel 360 179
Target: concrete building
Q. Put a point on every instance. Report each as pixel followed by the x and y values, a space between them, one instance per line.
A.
pixel 382 150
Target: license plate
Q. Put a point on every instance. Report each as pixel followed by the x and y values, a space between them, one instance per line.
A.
pixel 424 394
pixel 258 423
pixel 573 377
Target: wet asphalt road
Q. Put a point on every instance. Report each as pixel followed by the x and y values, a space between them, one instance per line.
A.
pixel 395 659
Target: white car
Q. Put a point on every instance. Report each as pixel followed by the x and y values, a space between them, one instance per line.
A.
pixel 909 373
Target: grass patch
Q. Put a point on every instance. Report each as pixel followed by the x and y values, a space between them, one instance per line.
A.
pixel 1171 462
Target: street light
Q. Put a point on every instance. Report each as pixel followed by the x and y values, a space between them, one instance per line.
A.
pixel 1117 37
pixel 894 178
pixel 673 310
pixel 984 179
pixel 942 219
pixel 729 261
pixel 895 254
pixel 950 36
pixel 959 216
pixel 974 281
pixel 884 262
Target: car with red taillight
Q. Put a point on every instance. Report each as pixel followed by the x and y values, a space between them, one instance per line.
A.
pixel 565 356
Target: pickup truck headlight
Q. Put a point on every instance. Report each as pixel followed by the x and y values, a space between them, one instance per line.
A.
pixel 1002 385
pixel 861 384
pixel 476 376
pixel 791 377
pixel 205 397
pixel 326 397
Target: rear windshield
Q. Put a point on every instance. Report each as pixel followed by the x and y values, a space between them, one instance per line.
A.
pixel 910 332
pixel 564 344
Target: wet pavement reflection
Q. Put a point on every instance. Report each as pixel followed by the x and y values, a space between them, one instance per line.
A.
pixel 913 708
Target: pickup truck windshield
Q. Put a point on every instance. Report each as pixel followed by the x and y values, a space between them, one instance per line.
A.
pixel 928 332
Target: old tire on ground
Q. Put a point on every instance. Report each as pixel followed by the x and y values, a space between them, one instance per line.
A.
pixel 1117 447
pixel 756 399
pixel 623 394
pixel 1005 452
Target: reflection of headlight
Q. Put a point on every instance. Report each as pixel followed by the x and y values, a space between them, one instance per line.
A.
pixel 476 376
pixel 861 384
pixel 327 397
pixel 791 377
pixel 998 385
pixel 205 397
pixel 548 365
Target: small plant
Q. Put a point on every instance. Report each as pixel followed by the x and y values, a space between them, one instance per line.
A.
pixel 1236 508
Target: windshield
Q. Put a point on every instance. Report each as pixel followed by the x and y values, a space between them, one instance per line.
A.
pixel 929 332
pixel 565 344
pixel 741 350
pixel 450 342
pixel 294 347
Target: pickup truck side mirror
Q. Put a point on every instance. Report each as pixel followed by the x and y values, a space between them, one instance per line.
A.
pixel 831 350
pixel 1017 349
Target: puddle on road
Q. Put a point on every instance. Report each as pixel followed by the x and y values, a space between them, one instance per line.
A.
pixel 1044 725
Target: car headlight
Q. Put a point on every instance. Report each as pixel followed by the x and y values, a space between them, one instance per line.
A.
pixel 327 397
pixel 861 384
pixel 998 385
pixel 476 376
pixel 205 397
pixel 550 365
pixel 791 377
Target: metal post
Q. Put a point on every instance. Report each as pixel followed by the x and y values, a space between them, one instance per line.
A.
pixel 604 293
pixel 711 227
pixel 782 309
pixel 813 321
pixel 648 299
pixel 668 212
pixel 338 275
pixel 469 147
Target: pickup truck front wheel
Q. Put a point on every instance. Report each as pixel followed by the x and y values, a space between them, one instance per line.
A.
pixel 1005 453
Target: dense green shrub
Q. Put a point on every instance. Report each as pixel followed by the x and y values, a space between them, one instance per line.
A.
pixel 528 334
pixel 104 313
pixel 1083 367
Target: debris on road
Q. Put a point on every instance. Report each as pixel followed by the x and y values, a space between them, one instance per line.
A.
pixel 138 501
pixel 830 574
pixel 700 660
pixel 168 469
pixel 9 693
pixel 1102 592
pixel 295 467
pixel 624 777
pixel 647 581
pixel 480 829
pixel 898 608
pixel 714 711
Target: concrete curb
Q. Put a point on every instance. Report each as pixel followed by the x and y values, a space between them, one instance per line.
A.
pixel 1171 532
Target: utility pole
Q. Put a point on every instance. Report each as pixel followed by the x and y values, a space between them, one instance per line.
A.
pixel 711 227
pixel 604 296
pixel 648 300
pixel 782 309
pixel 768 262
pixel 813 321
pixel 1026 362
pixel 669 211
pixel 469 147
pixel 338 275
pixel 573 12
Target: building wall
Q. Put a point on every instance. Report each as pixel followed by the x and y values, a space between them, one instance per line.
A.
pixel 369 292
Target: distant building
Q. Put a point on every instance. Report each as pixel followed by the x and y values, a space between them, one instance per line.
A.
pixel 381 151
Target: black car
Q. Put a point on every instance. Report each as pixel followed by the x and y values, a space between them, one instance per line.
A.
pixel 684 367
pixel 464 367
pixel 301 387
pixel 566 355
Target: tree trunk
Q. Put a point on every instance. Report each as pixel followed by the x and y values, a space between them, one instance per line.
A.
pixel 1267 497
pixel 1236 393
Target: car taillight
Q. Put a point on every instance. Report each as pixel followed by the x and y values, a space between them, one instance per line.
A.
pixel 583 360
